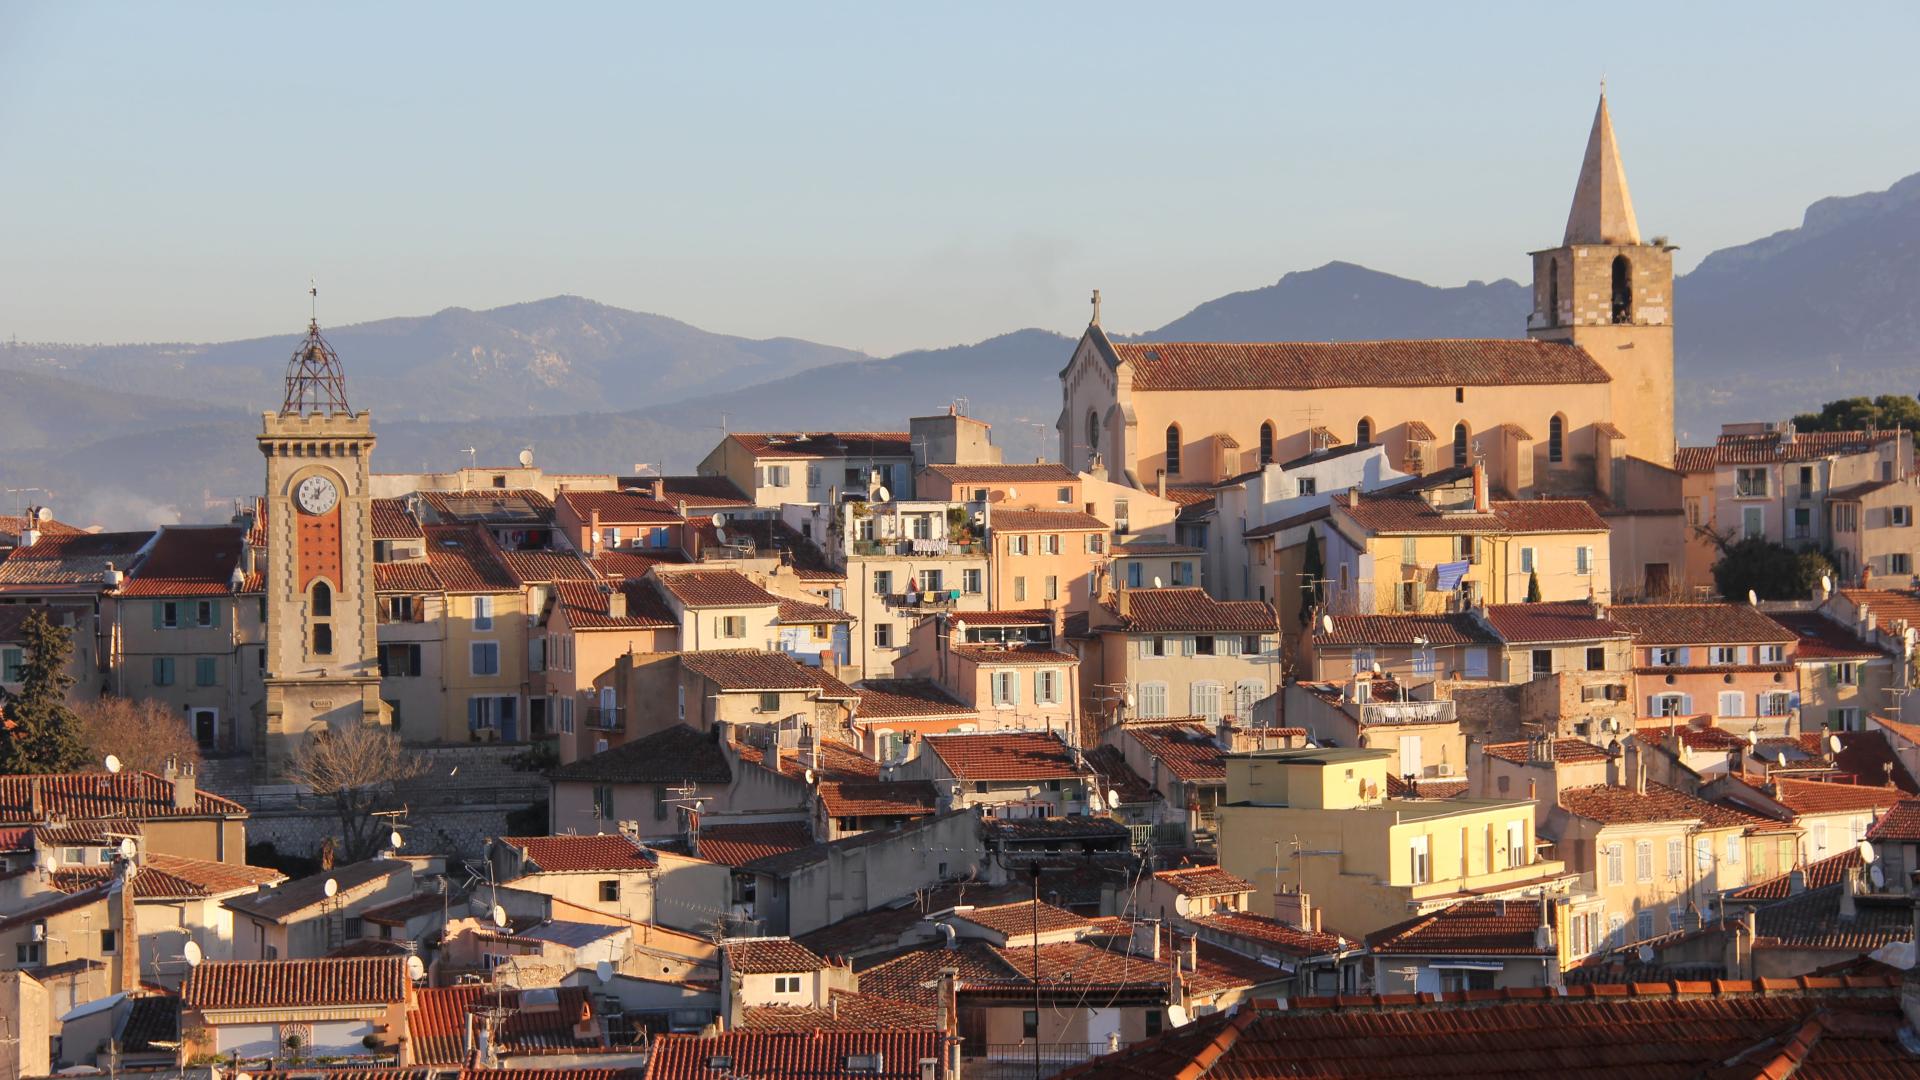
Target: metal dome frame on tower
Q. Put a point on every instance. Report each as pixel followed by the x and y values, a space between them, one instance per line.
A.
pixel 315 380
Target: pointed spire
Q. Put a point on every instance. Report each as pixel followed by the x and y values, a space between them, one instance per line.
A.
pixel 1602 209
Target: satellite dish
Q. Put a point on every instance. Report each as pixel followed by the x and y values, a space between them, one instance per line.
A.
pixel 1181 905
pixel 394 839
pixel 1753 598
pixel 1866 852
pixel 1156 581
pixel 882 494
pixel 718 520
pixel 1376 667
pixel 416 969
pixel 810 777
pixel 1753 738
pixel 1826 583
pixel 604 971
pixel 128 849
pixel 1645 953
pixel 499 916
pixel 720 535
pixel 1093 802
pixel 192 954
pixel 113 763
pixel 1878 876
pixel 1013 493
pixel 1780 758
pixel 1177 1014
pixel 526 458
pixel 331 887
pixel 1113 798
pixel 1326 624
pixel 41 513
pixel 1130 699
pixel 1833 743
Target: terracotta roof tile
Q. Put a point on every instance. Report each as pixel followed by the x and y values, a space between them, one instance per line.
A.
pixel 400 912
pixel 1459 629
pixel 1765 449
pixel 1815 875
pixel 1004 756
pixel 490 506
pixel 845 1011
pixel 771 536
pixel 405 577
pixel 12 525
pixel 544 567
pixel 1187 749
pixel 1045 521
pixel 1041 472
pixel 1887 605
pixel 828 444
pixel 264 984
pixel 712 588
pixel 1402 787
pixel 633 564
pixel 393 521
pixel 1567 750
pixel 621 507
pixel 1153 611
pixel 878 798
pixel 606 852
pixel 1110 763
pixel 1823 639
pixel 1812 921
pixel 669 756
pixel 438 1022
pixel 1473 927
pixel 103 796
pixel 812 1055
pixel 1203 881
pixel 174 877
pixel 770 956
pixel 284 902
pixel 465 562
pixel 586 606
pixel 1821 797
pixel 1409 513
pixel 1017 919
pixel 1901 823
pixel 1314 365
pixel 1270 931
pixel 893 699
pixel 188 561
pixel 799 612
pixel 70 562
pixel 1011 655
pixel 1700 624
pixel 748 669
pixel 831 760
pixel 1615 805
pixel 737 845
pixel 1569 621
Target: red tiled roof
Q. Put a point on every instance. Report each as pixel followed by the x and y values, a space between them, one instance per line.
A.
pixel 1823 639
pixel 1004 756
pixel 796 611
pixel 586 606
pixel 1017 919
pixel 1403 787
pixel 633 564
pixel 603 852
pixel 405 577
pixel 1014 654
pixel 1116 775
pixel 1821 797
pixel 826 444
pixel 1045 521
pixel 438 1022
pixel 737 845
pixel 393 521
pixel 399 912
pixel 894 699
pixel 1407 512
pixel 748 669
pixel 701 491
pixel 712 588
pixel 621 508
pixel 1153 611
pixel 189 561
pixel 69 560
pixel 1472 927
pixel 1568 750
pixel 1815 875
pixel 1564 621
pixel 542 567
pixel 670 756
pixel 1458 629
pixel 1038 472
pixel 1315 365
pixel 1270 931
pixel 103 796
pixel 770 956
pixel 1187 749
pixel 174 877
pixel 812 1055
pixel 831 760
pixel 267 984
pixel 845 1011
pixel 1886 604
pixel 1764 449
pixel 1695 459
pixel 464 562
pixel 499 506
pixel 12 525
pixel 878 798
pixel 1616 805
pixel 1901 823
pixel 1202 881
pixel 1700 624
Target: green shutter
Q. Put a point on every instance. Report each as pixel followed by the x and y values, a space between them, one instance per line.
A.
pixel 215 607
pixel 159 614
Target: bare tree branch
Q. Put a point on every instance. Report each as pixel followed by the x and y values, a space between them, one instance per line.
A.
pixel 143 734
pixel 356 767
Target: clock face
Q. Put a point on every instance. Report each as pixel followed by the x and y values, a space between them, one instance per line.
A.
pixel 316 495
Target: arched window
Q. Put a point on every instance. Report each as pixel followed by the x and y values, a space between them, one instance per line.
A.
pixel 1460 443
pixel 322 599
pixel 1363 431
pixel 1093 434
pixel 1553 292
pixel 1556 438
pixel 1173 449
pixel 1266 443
pixel 1622 289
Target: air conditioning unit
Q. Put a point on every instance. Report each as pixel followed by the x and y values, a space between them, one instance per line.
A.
pixel 1443 769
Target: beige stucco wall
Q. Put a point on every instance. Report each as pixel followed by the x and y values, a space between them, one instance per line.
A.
pixel 510 632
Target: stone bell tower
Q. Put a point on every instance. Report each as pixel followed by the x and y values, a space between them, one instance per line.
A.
pixel 1609 292
pixel 322 664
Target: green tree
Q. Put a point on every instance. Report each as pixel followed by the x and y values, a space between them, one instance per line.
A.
pixel 1312 568
pixel 1771 571
pixel 40 733
pixel 1533 587
pixel 1885 412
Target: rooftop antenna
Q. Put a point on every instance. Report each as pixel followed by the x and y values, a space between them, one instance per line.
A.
pixel 473 456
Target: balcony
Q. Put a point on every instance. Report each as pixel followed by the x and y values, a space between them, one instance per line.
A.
pixel 943 600
pixel 1014 1061
pixel 1407 712
pixel 606 719
pixel 918 547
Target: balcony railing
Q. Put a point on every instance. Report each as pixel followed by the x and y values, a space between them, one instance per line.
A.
pixel 1407 712
pixel 605 719
pixel 921 547
pixel 1750 489
pixel 1015 1061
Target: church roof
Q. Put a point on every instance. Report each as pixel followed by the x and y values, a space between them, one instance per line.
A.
pixel 1602 208
pixel 1315 365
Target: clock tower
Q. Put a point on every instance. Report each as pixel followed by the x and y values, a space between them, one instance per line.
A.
pixel 322 668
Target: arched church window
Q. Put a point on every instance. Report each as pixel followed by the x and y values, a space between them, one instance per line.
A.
pixel 1556 438
pixel 1093 433
pixel 1173 449
pixel 1363 431
pixel 1266 443
pixel 1460 444
pixel 1622 289
pixel 322 599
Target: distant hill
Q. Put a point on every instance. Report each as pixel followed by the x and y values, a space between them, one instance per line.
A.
pixel 1344 302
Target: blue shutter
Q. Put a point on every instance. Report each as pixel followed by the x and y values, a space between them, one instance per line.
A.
pixel 159 614
pixel 214 606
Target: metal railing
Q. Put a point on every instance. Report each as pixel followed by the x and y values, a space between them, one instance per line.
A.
pixel 1014 1061
pixel 604 719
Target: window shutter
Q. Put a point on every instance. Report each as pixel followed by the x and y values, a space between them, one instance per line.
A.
pixel 1186 645
pixel 1686 656
pixel 1146 647
pixel 215 606
pixel 1686 703
pixel 159 614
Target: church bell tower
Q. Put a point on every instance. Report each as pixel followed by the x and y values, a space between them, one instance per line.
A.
pixel 1606 290
pixel 322 666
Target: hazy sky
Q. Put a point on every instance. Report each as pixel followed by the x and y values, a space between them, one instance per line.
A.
pixel 881 176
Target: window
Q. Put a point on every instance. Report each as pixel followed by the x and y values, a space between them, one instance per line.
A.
pixel 399 609
pixel 1030 1025
pixel 1182 572
pixel 1806 478
pixel 1266 443
pixel 1750 483
pixel 1120 524
pixel 1732 703
pixel 1173 449
pixel 1676 858
pixel 1046 688
pixel 769 702
pixel 1420 868
pixel 1847 719
pixel 491 712
pixel 1516 844
pixel 321 604
pixel 1802 522
pixel 1307 485
pixel 610 538
pixel 882 582
pixel 1776 703
pixel 1583 560
pixel 27 953
pixel 163 671
pixel 485 657
pixel 1703 855
pixel 1900 516
pixel 883 635
pixel 1899 563
pixel 1019 587
pixel 1205 699
pixel 1556 439
pixel 1622 290
pixel 108 941
pixel 1155 646
pixel 786 984
pixel 166 615
pixel 1477 663
pixel 609 892
pixel 322 639
pixel 13 663
pixel 1053 587
pixel 1460 444
pixel 1773 654
pixel 1693 509
pixel 1203 645
pixel 1006 689
pixel 1363 432
pixel 1846 674
pixel 1542 662
pixel 1016 545
pixel 1553 292
pixel 1643 861
pixel 1151 701
pixel 1616 864
pixel 483 613
pixel 1596 658
pixel 970 581
pixel 206 671
pixel 205 614
pixel 1526 560
pixel 1668 705
pixel 399 659
pixel 1135 572
pixel 1667 657
pixel 1643 923
pixel 1733 850
pixel 1093 433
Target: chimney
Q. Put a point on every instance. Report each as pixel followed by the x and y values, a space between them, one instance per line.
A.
pixel 1316 921
pixel 617 603
pixel 186 793
pixel 657 488
pixel 1480 503
pixel 593 533
pixel 1146 939
pixel 1126 602
pixel 128 932
pixel 1190 956
pixel 1294 908
pixel 1639 774
pixel 1796 881
pixel 1161 481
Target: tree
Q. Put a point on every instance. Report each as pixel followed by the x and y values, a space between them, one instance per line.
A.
pixel 1533 587
pixel 356 767
pixel 1770 571
pixel 39 733
pixel 144 735
pixel 1885 412
pixel 1312 568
